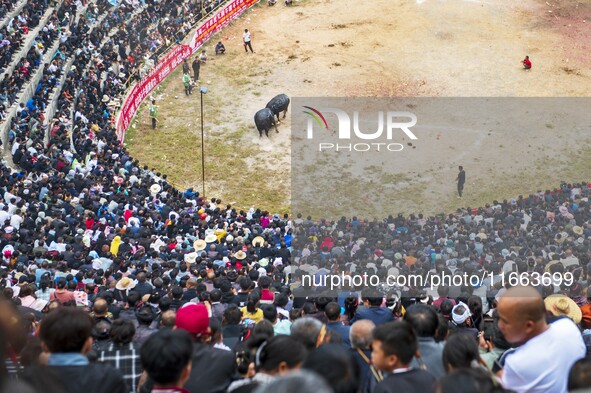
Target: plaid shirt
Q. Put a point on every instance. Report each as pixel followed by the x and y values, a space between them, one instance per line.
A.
pixel 126 358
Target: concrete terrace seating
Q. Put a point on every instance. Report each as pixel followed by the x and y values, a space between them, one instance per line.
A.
pixel 36 96
pixel 9 9
pixel 25 26
pixel 106 60
pixel 28 58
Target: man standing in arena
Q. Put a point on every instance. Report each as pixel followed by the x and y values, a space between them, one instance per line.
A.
pixel 461 179
pixel 196 65
pixel 246 39
pixel 153 113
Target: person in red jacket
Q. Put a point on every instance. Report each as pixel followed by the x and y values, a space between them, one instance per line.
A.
pixel 526 63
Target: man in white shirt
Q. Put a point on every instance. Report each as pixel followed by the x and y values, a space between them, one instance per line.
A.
pixel 547 352
pixel 4 215
pixel 16 220
pixel 246 39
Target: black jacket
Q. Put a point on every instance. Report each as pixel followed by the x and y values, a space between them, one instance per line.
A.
pixel 95 378
pixel 213 370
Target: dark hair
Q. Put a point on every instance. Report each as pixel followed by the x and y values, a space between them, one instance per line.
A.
pixel 145 315
pixel 281 300
pixel 251 302
pixel 165 354
pixel 232 315
pixel 277 350
pixel 336 365
pixel 446 307
pixel 498 338
pixel 61 283
pixel 245 283
pixel 26 290
pixel 264 282
pixel 65 329
pixel 442 328
pixel 102 329
pixel 269 312
pixel 215 295
pixel 397 338
pixel 263 329
pixel 460 351
pixel 164 304
pixel 177 292
pixel 579 376
pixel 122 331
pixel 373 297
pixel 423 319
pixel 332 311
pixel 469 381
pixel 351 303
pixel 44 283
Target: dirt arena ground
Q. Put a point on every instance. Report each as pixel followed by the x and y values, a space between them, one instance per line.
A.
pixel 443 48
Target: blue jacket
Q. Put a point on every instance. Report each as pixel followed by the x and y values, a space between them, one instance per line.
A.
pixel 341 330
pixel 378 315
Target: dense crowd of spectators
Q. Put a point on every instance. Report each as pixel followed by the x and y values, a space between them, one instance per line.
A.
pixel 102 258
pixel 116 241
pixel 26 66
pixel 7 6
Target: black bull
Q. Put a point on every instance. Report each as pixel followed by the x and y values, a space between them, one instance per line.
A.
pixel 264 120
pixel 279 104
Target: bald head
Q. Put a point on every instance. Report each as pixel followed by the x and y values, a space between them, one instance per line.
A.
pixel 168 318
pixel 100 307
pixel 526 303
pixel 522 314
pixel 360 334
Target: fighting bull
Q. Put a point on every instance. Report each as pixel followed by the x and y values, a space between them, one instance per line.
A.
pixel 279 104
pixel 264 120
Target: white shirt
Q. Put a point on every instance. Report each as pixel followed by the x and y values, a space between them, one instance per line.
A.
pixel 246 37
pixel 3 217
pixel 543 363
pixel 15 221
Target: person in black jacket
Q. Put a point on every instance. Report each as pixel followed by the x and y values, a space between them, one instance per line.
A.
pixel 212 369
pixel 65 335
pixel 393 348
pixel 461 179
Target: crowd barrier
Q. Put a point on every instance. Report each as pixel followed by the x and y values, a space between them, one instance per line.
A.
pixel 172 59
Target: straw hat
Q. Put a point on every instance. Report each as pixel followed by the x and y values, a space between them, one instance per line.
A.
pixel 155 188
pixel 550 264
pixel 258 241
pixel 240 255
pixel 210 238
pixel 125 283
pixel 190 257
pixel 199 244
pixel 263 262
pixel 560 305
pixel 578 230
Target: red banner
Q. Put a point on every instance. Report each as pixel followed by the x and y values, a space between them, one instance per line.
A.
pixel 172 59
pixel 220 20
